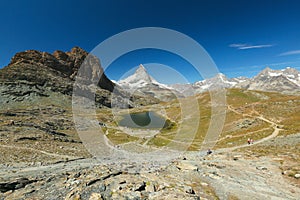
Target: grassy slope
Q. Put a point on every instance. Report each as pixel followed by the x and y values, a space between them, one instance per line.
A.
pixel 282 109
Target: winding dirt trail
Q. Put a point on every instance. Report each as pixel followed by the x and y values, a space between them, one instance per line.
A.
pixel 272 124
pixel 255 114
pixel 39 151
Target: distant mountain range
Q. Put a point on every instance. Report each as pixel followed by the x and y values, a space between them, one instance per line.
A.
pixel 32 75
pixel 284 81
pixel 219 81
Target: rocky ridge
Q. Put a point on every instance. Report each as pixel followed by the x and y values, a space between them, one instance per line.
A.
pixel 284 81
pixel 33 74
pixel 54 71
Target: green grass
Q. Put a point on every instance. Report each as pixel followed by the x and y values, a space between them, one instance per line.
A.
pixel 246 102
pixel 242 138
pixel 159 141
pixel 117 137
pixel 282 109
pixel 240 97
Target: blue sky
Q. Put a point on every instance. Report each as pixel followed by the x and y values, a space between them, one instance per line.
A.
pixel 242 37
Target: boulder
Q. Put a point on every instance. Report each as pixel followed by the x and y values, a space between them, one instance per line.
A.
pixel 185 165
pixel 14 185
pixel 297 176
pixel 95 196
pixel 189 190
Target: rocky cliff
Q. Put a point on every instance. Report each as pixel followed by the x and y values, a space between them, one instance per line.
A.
pixel 54 71
pixel 32 74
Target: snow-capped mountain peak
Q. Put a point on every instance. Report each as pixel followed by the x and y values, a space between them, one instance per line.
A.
pixel 139 78
pixel 285 80
pixel 288 72
pixel 141 69
pixel 220 80
pixel 142 82
pixel 142 73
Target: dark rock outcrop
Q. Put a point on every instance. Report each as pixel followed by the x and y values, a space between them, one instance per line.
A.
pixel 55 71
pixel 33 74
pixel 14 185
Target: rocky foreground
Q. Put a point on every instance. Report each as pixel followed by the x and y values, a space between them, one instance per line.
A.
pixel 194 175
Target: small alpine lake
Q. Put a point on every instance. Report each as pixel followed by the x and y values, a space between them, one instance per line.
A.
pixel 143 120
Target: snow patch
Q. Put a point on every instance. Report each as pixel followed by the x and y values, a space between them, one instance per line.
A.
pixel 274 74
pixel 294 81
pixel 140 79
pixel 204 87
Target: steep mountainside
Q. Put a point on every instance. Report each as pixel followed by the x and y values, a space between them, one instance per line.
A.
pixel 219 81
pixel 55 71
pixel 142 83
pixel 286 81
pixel 216 82
pixel 139 79
pixel 33 74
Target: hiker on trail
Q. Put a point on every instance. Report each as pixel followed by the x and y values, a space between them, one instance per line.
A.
pixel 249 141
pixel 209 152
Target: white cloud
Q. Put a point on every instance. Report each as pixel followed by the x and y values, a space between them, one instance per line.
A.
pixel 290 53
pixel 259 67
pixel 237 45
pixel 248 46
pixel 281 63
pixel 256 46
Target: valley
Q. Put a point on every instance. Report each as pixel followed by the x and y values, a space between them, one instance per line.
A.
pixel 44 154
pixel 32 151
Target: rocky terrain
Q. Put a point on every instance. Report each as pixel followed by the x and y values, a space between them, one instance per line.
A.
pixel 33 74
pixel 221 175
pixel 43 157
